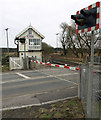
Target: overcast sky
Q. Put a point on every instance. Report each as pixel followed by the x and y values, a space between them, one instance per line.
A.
pixel 44 15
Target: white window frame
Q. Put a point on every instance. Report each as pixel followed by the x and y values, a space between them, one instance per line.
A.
pixel 33 45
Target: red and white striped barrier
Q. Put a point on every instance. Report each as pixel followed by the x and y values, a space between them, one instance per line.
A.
pixel 56 65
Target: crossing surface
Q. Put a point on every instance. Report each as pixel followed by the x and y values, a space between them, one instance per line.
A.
pixel 21 88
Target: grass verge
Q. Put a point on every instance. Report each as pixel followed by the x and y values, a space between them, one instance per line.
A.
pixel 71 108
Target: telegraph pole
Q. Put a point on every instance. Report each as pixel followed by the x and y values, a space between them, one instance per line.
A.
pixel 7 40
pixel 57 40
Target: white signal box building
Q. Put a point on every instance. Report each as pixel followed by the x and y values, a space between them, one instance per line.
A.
pixel 33 43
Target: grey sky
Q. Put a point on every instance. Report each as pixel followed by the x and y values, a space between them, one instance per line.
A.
pixel 44 15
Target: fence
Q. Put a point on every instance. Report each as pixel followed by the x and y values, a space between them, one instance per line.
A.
pixel 97 59
pixel 20 63
pixel 90 90
pixel 15 63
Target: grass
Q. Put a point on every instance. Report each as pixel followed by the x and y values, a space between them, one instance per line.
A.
pixel 5 68
pixel 71 108
pixel 5 61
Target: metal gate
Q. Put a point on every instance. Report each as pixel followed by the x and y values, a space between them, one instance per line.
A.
pixel 15 63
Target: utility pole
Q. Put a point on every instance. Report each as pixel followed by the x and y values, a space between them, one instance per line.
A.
pixel 7 40
pixel 57 40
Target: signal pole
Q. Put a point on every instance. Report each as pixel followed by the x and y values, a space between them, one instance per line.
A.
pixel 7 40
pixel 92 47
pixel 25 61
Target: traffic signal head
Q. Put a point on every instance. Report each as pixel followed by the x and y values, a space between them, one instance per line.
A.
pixel 87 19
pixel 22 40
pixel 16 38
pixel 79 19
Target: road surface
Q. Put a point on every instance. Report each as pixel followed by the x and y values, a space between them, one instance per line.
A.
pixel 23 88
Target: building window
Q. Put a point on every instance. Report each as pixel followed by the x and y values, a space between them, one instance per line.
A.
pixel 34 41
pixel 30 31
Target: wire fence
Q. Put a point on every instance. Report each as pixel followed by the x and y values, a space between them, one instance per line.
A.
pixel 90 90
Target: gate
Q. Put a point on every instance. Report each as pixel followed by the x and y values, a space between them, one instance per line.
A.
pixel 15 63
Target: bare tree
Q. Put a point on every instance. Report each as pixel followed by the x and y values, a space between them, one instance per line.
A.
pixel 63 39
pixel 69 39
pixel 86 38
pixel 77 42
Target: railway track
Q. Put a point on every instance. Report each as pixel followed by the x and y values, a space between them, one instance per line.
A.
pixel 62 62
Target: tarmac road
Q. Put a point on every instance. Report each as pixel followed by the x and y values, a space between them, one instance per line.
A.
pixel 23 88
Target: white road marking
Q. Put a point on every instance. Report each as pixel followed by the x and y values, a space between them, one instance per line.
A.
pixel 17 80
pixel 22 75
pixel 33 78
pixel 54 101
pixel 39 104
pixel 66 80
pixel 57 76
pixel 28 84
pixel 14 72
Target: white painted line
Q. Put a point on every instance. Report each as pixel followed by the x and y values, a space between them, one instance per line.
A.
pixel 57 76
pixel 67 80
pixel 22 75
pixel 33 78
pixel 18 107
pixel 17 80
pixel 54 101
pixel 39 104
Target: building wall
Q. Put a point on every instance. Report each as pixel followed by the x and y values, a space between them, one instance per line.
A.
pixel 37 55
pixel 27 36
pixel 28 49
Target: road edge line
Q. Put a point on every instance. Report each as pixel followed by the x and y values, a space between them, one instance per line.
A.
pixel 39 104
